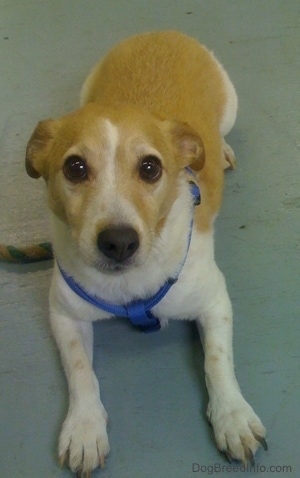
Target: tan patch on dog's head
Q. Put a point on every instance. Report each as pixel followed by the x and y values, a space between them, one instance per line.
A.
pixel 100 166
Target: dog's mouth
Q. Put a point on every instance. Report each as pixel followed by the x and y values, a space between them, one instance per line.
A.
pixel 113 268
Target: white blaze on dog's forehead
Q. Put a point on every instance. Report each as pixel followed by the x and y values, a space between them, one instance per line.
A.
pixel 110 148
pixel 112 136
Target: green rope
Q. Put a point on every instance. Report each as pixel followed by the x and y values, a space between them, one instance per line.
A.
pixel 27 254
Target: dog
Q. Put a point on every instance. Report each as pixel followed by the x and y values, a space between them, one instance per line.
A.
pixel 124 177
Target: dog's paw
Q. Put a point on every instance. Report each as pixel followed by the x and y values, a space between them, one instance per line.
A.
pixel 83 443
pixel 238 430
pixel 228 156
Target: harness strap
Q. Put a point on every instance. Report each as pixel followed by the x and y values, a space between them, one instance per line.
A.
pixel 138 312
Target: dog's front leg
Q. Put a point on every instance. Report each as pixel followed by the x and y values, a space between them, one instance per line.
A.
pixel 238 430
pixel 83 441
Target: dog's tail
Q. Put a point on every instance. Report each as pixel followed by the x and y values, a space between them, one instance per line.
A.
pixel 26 254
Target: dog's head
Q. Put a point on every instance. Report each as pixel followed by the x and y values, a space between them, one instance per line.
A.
pixel 112 177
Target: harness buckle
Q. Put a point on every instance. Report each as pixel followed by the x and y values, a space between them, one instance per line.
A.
pixel 141 317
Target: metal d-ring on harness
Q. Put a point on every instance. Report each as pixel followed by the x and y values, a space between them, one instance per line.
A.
pixel 138 311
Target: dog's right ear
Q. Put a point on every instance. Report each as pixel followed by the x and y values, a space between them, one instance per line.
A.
pixel 38 147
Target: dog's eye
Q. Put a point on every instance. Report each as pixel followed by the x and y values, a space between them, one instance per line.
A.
pixel 75 169
pixel 150 169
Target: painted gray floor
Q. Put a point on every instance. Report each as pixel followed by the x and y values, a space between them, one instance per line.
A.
pixel 153 385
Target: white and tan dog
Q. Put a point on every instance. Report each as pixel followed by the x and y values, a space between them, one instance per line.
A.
pixel 120 195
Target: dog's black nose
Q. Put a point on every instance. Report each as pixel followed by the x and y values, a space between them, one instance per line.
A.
pixel 118 243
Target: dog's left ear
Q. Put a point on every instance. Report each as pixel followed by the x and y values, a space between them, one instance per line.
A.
pixel 38 146
pixel 188 144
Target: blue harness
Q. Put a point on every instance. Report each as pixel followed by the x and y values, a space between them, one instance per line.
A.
pixel 138 311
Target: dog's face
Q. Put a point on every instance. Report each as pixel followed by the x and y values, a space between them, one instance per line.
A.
pixel 112 176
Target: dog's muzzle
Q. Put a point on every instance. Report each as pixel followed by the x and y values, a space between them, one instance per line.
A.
pixel 118 243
